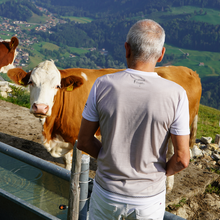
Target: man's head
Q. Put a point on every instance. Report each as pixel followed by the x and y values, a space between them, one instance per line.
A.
pixel 146 40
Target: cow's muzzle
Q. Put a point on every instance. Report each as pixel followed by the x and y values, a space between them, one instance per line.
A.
pixel 40 110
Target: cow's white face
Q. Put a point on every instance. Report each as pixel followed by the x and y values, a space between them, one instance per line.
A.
pixel 44 82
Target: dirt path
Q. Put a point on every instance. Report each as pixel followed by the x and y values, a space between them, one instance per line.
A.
pixel 22 130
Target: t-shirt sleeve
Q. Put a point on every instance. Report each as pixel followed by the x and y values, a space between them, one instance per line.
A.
pixel 180 125
pixel 90 111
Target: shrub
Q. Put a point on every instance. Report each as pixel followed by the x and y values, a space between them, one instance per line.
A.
pixel 19 96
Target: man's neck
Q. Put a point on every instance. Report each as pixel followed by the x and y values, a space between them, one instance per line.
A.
pixel 143 66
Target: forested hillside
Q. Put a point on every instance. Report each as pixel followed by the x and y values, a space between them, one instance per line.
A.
pixel 110 20
pixel 194 35
pixel 128 8
pixel 211 91
pixel 21 10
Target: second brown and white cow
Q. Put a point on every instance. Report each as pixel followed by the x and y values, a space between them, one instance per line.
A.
pixel 8 53
pixel 58 97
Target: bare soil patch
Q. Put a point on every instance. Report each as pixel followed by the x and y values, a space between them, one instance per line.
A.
pixel 20 129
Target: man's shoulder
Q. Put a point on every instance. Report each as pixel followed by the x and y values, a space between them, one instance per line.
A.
pixel 110 76
pixel 171 84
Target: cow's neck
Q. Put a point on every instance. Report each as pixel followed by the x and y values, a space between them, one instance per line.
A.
pixel 50 121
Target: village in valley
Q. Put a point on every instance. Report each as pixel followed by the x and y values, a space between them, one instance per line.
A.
pixel 9 28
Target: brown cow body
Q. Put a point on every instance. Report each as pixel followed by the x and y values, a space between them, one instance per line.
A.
pixel 8 54
pixel 61 125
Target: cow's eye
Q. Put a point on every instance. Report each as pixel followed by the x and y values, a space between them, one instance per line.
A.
pixel 30 83
pixel 58 86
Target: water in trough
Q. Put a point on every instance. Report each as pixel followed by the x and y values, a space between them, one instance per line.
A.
pixel 34 186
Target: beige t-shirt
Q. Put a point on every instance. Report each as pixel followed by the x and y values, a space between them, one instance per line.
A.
pixel 136 111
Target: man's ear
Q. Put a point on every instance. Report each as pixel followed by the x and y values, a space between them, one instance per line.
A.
pixel 70 83
pixel 162 55
pixel 128 50
pixel 19 76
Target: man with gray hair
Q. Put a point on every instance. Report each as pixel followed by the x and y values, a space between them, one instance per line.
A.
pixel 137 112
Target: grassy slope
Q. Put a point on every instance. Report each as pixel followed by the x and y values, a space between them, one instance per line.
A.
pixel 210 59
pixel 38 57
pixel 78 19
pixel 50 46
pixel 212 16
pixel 7 36
pixel 37 19
pixel 208 124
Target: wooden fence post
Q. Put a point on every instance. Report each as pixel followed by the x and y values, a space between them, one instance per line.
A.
pixel 74 192
pixel 217 139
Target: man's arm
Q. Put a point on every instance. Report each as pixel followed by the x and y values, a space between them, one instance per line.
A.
pixel 181 156
pixel 86 140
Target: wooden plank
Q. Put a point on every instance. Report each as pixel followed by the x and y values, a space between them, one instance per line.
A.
pixel 217 139
pixel 74 193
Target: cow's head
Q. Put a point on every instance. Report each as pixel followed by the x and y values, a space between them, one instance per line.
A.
pixel 44 80
pixel 8 53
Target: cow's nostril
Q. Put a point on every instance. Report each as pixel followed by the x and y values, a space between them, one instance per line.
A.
pixel 40 108
pixel 47 108
pixel 34 107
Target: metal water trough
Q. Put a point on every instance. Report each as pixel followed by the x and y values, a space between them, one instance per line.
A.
pixel 22 210
pixel 12 207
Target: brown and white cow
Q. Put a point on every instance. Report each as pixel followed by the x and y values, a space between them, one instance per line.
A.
pixel 58 97
pixel 8 53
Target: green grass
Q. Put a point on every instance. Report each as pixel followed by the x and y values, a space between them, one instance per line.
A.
pixel 210 59
pixel 176 206
pixel 37 46
pixel 209 18
pixel 78 50
pixel 4 37
pixel 212 189
pixel 32 26
pixel 5 76
pixel 50 46
pixel 7 35
pixel 37 19
pixel 208 123
pixel 212 16
pixel 19 97
pixel 181 203
pixel 37 56
pixel 34 61
pixel 214 170
pixel 78 19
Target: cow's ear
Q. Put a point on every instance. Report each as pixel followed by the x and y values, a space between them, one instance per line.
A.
pixel 71 82
pixel 19 76
pixel 13 43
